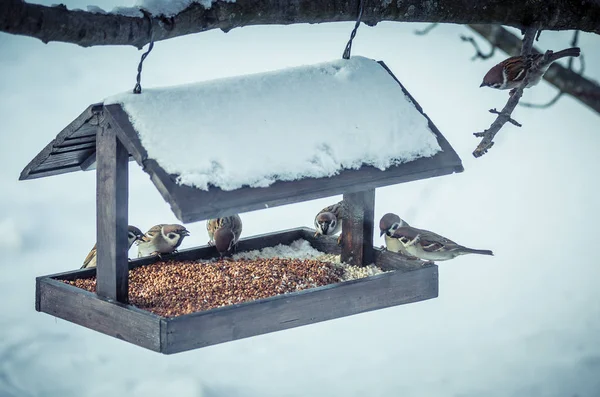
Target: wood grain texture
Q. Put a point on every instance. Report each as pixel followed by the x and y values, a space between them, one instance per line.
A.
pixel 357 228
pixel 111 216
pixel 81 307
pixel 300 308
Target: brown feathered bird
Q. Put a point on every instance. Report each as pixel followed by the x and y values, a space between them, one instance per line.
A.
pixel 508 74
pixel 328 221
pixel 133 234
pixel 427 245
pixel 224 233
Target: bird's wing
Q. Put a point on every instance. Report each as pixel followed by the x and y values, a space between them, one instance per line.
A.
pixel 211 227
pixel 337 209
pixel 150 234
pixel 89 257
pixel 429 241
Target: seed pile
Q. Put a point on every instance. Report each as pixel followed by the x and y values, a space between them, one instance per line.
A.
pixel 173 288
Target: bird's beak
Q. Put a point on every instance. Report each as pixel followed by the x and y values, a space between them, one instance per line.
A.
pixel 381 232
pixel 482 85
pixel 186 232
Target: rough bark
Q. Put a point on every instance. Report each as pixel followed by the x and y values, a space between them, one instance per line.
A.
pixel 567 81
pixel 90 29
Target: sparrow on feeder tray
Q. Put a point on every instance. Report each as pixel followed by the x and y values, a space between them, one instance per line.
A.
pixel 161 239
pixel 508 74
pixel 328 221
pixel 387 225
pixel 423 244
pixel 133 234
pixel 224 233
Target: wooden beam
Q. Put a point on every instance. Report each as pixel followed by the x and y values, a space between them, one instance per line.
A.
pixel 295 309
pixel 111 212
pixel 85 308
pixel 357 228
pixel 405 283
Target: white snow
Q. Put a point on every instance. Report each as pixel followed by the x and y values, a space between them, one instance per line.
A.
pixel 299 249
pixel 167 8
pixel 308 121
pixel 525 322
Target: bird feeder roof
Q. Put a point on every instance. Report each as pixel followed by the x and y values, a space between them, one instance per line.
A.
pixel 244 143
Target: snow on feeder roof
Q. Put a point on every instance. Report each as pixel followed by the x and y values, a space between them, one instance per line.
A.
pixel 241 144
pixel 284 136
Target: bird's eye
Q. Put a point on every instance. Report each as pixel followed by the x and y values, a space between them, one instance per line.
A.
pixel 172 235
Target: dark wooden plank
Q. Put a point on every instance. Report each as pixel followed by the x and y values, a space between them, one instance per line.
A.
pixel 299 308
pixel 89 163
pixel 91 146
pixel 111 215
pixel 52 171
pixel 79 140
pixel 357 228
pixel 81 307
pixel 68 131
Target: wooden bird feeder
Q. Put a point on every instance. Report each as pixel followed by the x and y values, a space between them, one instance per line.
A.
pixel 104 137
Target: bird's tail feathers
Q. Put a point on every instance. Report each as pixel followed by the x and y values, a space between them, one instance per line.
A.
pixel 466 250
pixel 569 52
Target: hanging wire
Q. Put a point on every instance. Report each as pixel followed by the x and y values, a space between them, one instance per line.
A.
pixel 353 34
pixel 138 87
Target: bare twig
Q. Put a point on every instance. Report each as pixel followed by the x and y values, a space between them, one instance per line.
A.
pixel 561 92
pixel 426 30
pixel 510 120
pixel 478 53
pixel 492 39
pixel 504 116
pixel 543 105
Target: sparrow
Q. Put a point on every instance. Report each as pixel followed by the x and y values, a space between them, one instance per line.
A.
pixel 161 239
pixel 509 73
pixel 328 221
pixel 133 235
pixel 430 246
pixel 224 233
pixel 387 225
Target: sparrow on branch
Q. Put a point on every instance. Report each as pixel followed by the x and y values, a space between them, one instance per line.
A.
pixel 508 74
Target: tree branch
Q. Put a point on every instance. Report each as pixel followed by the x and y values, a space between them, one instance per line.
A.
pixel 86 28
pixel 566 80
pixel 505 115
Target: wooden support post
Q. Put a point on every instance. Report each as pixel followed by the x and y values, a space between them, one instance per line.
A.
pixel 357 228
pixel 112 273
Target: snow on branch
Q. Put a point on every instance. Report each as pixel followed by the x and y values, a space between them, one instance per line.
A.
pixel 129 26
pixel 504 116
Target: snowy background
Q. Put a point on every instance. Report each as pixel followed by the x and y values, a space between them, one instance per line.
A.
pixel 523 323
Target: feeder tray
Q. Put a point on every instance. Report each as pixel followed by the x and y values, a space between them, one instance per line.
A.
pixel 104 138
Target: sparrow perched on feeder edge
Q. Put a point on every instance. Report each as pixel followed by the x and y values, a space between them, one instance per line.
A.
pixel 430 246
pixel 133 234
pixel 387 225
pixel 161 239
pixel 328 221
pixel 509 73
pixel 224 233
